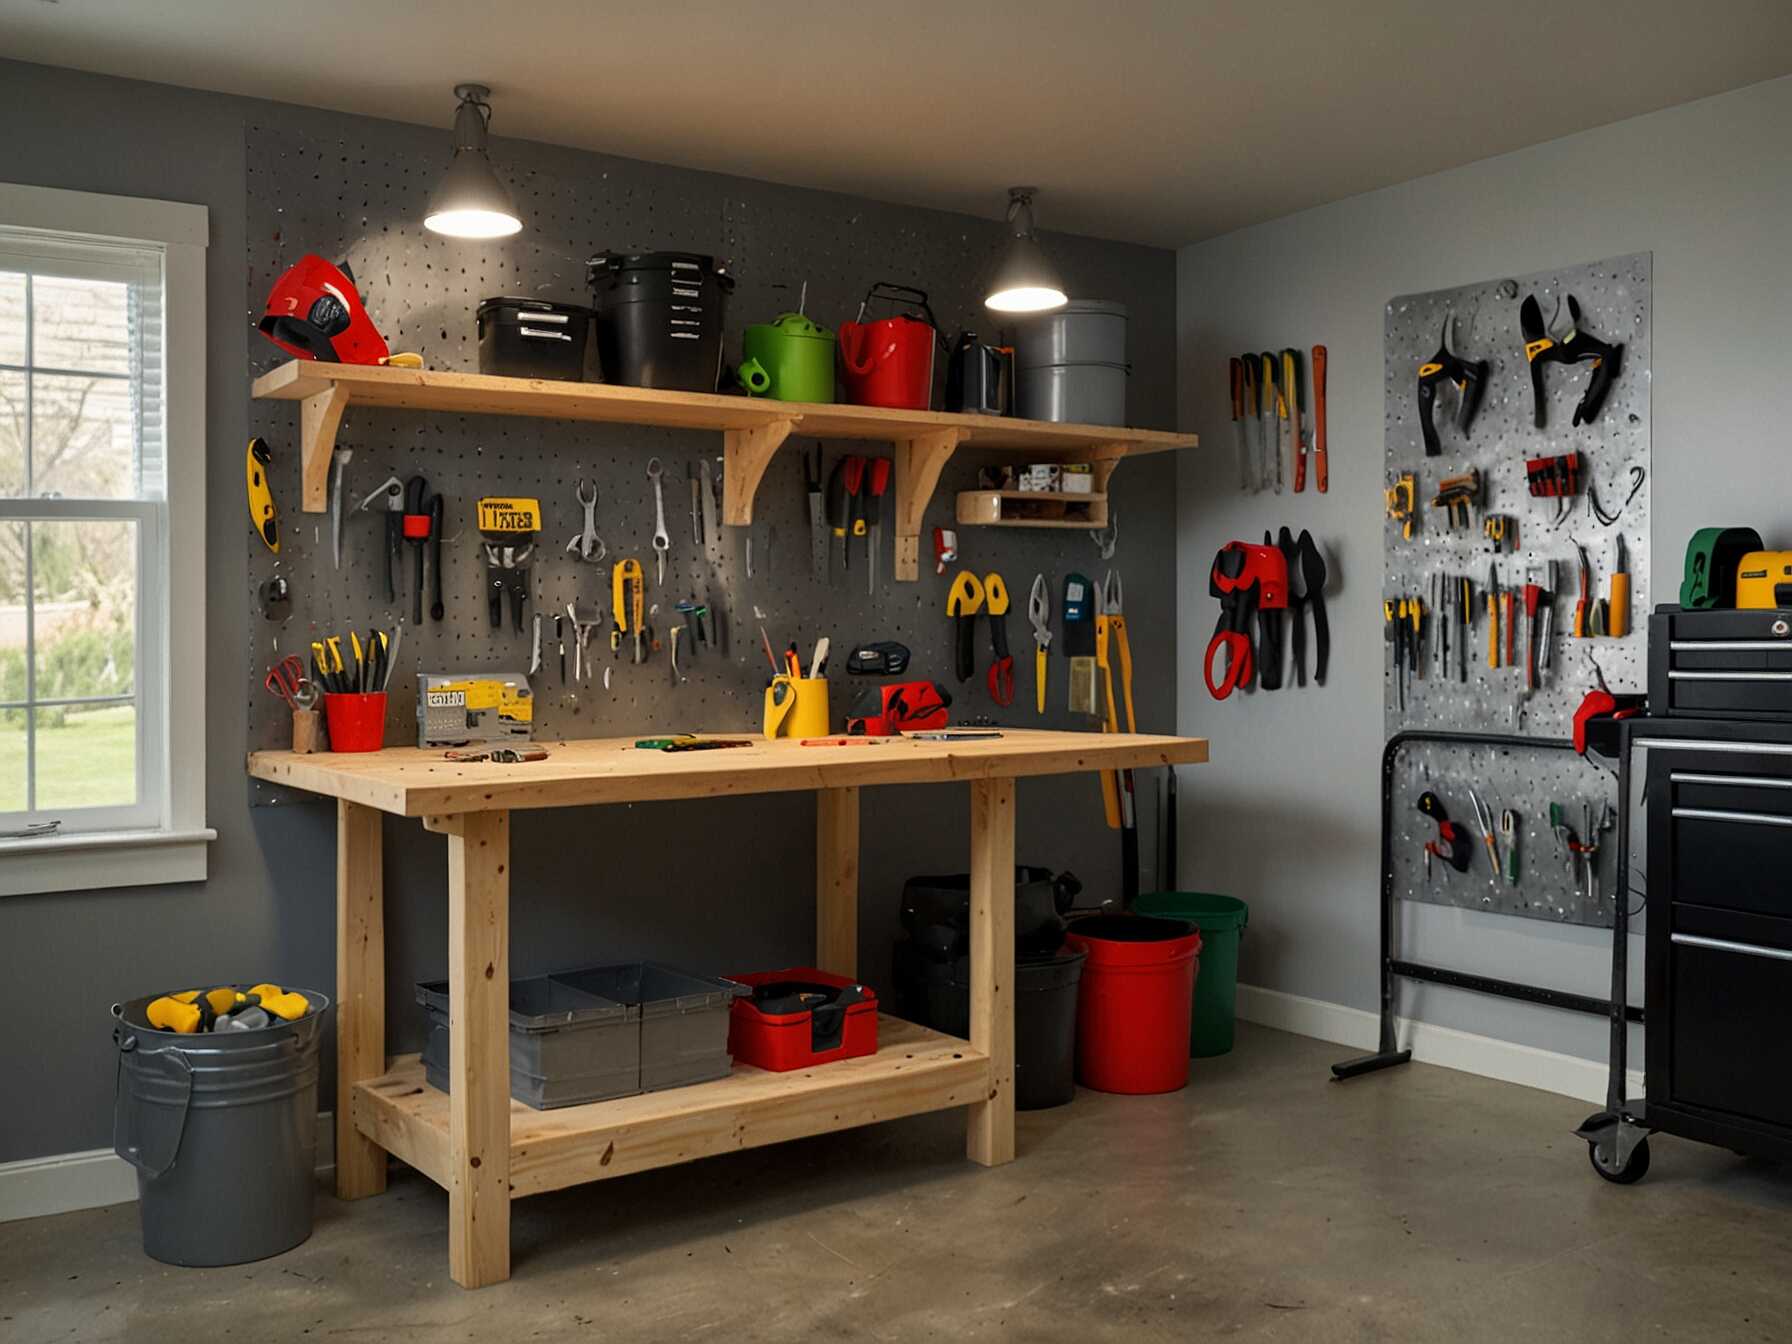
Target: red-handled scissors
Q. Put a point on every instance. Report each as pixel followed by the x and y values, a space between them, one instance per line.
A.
pixel 1234 583
pixel 287 680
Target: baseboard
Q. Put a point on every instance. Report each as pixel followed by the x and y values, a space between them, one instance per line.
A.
pixel 39 1186
pixel 1507 1061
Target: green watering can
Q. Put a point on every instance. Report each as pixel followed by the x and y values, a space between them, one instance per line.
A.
pixel 791 359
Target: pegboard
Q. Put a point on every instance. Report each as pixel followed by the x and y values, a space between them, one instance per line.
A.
pixel 350 201
pixel 1615 300
pixel 1552 884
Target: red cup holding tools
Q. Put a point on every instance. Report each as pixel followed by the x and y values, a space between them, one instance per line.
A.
pixel 357 722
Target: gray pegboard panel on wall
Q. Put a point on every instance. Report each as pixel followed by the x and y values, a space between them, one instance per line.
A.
pixel 348 201
pixel 1464 692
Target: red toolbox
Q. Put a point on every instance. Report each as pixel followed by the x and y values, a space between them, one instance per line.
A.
pixel 801 1016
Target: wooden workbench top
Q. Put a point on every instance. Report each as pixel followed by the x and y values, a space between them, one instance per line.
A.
pixel 410 782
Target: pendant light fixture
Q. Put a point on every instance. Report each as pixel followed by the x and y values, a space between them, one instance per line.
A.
pixel 1025 281
pixel 471 201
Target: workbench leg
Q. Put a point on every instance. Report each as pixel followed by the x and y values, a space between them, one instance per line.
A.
pixel 991 1135
pixel 837 881
pixel 360 993
pixel 479 1048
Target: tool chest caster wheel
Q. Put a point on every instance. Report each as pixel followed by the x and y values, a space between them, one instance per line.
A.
pixel 1603 1153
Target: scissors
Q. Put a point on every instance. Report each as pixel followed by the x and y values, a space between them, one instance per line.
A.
pixel 287 680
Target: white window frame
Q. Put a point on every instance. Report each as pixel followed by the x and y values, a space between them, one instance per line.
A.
pixel 173 846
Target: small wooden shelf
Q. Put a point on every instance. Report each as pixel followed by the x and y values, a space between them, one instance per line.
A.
pixel 914 1070
pixel 995 508
pixel 752 430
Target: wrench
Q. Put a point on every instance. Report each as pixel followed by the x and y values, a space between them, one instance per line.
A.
pixel 587 545
pixel 662 542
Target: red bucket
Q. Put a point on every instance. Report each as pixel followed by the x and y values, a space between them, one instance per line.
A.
pixel 1134 1003
pixel 357 722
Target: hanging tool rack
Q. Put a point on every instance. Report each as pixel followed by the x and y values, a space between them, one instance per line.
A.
pixel 1395 967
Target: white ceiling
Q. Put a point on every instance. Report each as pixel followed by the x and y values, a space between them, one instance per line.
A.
pixel 1160 121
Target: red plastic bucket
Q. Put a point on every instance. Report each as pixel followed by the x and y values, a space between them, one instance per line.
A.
pixel 888 363
pixel 357 722
pixel 1134 1002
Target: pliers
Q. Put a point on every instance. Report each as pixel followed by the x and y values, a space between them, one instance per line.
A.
pixel 1484 823
pixel 1469 375
pixel 1039 613
pixel 963 601
pixel 1110 625
pixel 1001 663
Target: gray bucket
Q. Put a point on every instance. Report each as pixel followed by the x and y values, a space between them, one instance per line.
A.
pixel 222 1128
pixel 1075 394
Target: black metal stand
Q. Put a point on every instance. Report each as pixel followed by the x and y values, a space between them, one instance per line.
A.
pixel 1394 969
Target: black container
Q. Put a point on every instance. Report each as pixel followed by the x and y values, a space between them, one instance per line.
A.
pixel 980 378
pixel 533 338
pixel 1727 664
pixel 936 911
pixel 937 994
pixel 659 318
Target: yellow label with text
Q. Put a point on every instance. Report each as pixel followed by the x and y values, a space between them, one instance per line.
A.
pixel 508 515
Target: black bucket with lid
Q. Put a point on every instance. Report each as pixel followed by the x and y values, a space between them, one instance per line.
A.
pixel 936 910
pixel 659 318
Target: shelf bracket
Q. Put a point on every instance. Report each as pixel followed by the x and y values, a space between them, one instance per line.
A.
pixel 919 462
pixel 320 415
pixel 746 453
pixel 1102 459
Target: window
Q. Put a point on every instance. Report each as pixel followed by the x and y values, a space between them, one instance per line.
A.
pixel 101 524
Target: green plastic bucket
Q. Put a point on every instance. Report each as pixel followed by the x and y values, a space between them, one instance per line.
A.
pixel 1221 920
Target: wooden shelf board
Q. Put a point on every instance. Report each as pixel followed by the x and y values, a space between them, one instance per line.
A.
pixel 1049 496
pixel 914 1070
pixel 482 394
pixel 752 429
pixel 1078 524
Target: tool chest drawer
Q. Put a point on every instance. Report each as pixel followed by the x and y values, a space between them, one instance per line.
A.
pixel 1721 664
pixel 1720 830
pixel 1728 979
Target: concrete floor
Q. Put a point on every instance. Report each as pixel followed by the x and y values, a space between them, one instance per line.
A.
pixel 1263 1203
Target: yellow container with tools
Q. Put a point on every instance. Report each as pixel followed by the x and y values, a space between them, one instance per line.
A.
pixel 796 707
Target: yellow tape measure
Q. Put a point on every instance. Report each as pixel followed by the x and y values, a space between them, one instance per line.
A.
pixel 509 515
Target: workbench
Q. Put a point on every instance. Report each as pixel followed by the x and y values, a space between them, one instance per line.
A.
pixel 485 1149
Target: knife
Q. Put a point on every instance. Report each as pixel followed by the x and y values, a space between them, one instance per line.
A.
pixel 1269 384
pixel 1297 442
pixel 1244 458
pixel 711 532
pixel 1321 464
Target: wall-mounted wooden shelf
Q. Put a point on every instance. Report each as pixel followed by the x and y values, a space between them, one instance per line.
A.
pixel 752 430
pixel 1031 508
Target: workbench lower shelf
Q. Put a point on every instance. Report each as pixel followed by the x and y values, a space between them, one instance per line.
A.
pixel 914 1070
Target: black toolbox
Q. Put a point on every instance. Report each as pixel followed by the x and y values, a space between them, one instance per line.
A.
pixel 533 338
pixel 1724 663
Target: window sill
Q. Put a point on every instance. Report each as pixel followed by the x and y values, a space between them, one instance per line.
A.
pixel 103 859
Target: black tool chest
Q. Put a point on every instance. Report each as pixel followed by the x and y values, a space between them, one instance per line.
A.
pixel 1727 664
pixel 1719 942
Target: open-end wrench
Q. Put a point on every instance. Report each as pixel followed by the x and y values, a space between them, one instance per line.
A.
pixel 662 541
pixel 586 544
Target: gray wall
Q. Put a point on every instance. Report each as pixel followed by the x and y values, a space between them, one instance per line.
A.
pixel 1708 189
pixel 626 883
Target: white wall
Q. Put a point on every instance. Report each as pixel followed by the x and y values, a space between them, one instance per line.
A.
pixel 1287 815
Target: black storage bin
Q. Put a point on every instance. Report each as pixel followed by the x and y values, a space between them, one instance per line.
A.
pixel 936 910
pixel 1726 664
pixel 659 318
pixel 937 994
pixel 533 338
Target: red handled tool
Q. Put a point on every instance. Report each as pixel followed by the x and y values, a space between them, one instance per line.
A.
pixel 1321 463
pixel 877 481
pixel 1247 580
pixel 1001 664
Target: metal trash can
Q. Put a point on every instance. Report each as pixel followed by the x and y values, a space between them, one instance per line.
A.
pixel 222 1128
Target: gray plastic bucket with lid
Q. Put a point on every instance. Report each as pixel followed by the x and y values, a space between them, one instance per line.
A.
pixel 222 1128
pixel 1072 366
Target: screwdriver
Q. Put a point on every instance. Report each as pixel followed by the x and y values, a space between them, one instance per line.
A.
pixel 843 491
pixel 877 480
